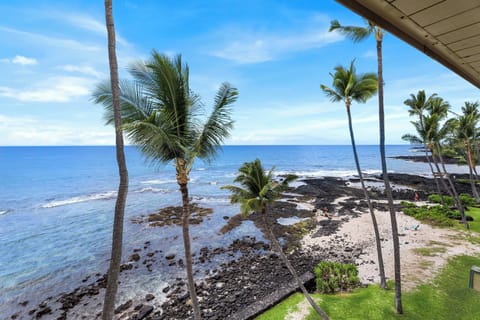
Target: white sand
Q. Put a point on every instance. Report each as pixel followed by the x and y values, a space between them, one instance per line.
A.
pixel 415 267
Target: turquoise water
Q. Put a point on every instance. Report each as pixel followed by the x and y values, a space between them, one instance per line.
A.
pixel 56 207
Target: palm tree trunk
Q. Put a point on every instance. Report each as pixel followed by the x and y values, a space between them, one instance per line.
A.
pixel 117 237
pixel 188 251
pixel 471 166
pixel 458 203
pixel 442 177
pixel 277 247
pixel 388 190
pixel 435 178
pixel 381 268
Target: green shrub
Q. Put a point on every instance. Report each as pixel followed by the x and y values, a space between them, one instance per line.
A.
pixel 331 277
pixel 467 200
pixel 447 200
pixel 436 215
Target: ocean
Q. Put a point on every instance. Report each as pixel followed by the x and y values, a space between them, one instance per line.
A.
pixel 56 208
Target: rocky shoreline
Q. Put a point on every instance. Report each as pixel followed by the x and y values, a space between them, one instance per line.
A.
pixel 423 158
pixel 250 270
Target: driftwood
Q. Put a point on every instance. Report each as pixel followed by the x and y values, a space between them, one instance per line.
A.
pixel 283 291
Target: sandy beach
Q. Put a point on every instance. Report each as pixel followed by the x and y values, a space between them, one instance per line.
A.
pixel 414 235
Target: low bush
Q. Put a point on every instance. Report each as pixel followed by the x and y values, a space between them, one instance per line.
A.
pixel 436 215
pixel 466 199
pixel 447 200
pixel 331 277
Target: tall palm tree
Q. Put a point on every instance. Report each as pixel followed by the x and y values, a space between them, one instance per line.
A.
pixel 161 116
pixel 418 105
pixel 347 87
pixel 258 192
pixel 465 133
pixel 117 237
pixel 358 34
pixel 438 131
pixel 470 109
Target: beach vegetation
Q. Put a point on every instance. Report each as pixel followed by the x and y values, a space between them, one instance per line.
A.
pixel 162 116
pixel 348 86
pixel 257 192
pixel 466 199
pixel 433 129
pixel 430 251
pixel 357 34
pixel 332 277
pixel 445 297
pixel 465 135
pixel 445 200
pixel 437 215
pixel 119 213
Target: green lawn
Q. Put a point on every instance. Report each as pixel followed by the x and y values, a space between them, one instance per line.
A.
pixel 446 297
pixel 475 224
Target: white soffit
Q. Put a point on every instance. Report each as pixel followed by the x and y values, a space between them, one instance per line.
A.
pixel 446 30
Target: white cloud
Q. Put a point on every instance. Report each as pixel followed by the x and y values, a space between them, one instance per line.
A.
pixel 370 54
pixel 90 24
pixel 255 47
pixel 32 131
pixel 45 40
pixel 55 89
pixel 87 70
pixel 24 60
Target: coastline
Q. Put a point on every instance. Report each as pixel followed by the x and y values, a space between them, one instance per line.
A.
pixel 246 271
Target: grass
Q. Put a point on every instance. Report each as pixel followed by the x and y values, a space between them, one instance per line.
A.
pixel 445 297
pixel 281 310
pixel 430 251
pixel 475 214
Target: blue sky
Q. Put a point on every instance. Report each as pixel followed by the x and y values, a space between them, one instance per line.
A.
pixel 276 53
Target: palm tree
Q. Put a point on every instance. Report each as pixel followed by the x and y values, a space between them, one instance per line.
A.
pixel 465 133
pixel 470 109
pixel 418 105
pixel 358 34
pixel 161 116
pixel 258 193
pixel 438 131
pixel 348 87
pixel 117 237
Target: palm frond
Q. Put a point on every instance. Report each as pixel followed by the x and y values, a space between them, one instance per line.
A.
pixel 356 34
pixel 219 123
pixel 413 139
pixel 257 187
pixel 348 85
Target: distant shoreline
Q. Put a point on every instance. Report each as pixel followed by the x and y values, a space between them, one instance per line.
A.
pixel 423 158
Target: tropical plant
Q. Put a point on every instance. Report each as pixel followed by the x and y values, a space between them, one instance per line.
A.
pixel 347 87
pixel 439 130
pixel 257 193
pixel 471 109
pixel 117 237
pixel 464 126
pixel 331 276
pixel 161 116
pixel 418 105
pixel 358 34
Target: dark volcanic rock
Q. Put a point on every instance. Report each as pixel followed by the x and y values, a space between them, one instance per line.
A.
pixel 173 215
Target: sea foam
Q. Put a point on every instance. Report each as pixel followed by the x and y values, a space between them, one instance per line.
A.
pixel 96 196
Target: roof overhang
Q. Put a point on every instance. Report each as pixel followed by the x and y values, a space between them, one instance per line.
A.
pixel 446 30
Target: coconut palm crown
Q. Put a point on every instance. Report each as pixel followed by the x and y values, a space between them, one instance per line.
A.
pixel 349 86
pixel 259 188
pixel 162 116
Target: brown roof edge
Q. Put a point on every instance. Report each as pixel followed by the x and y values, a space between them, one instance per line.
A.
pixel 367 13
